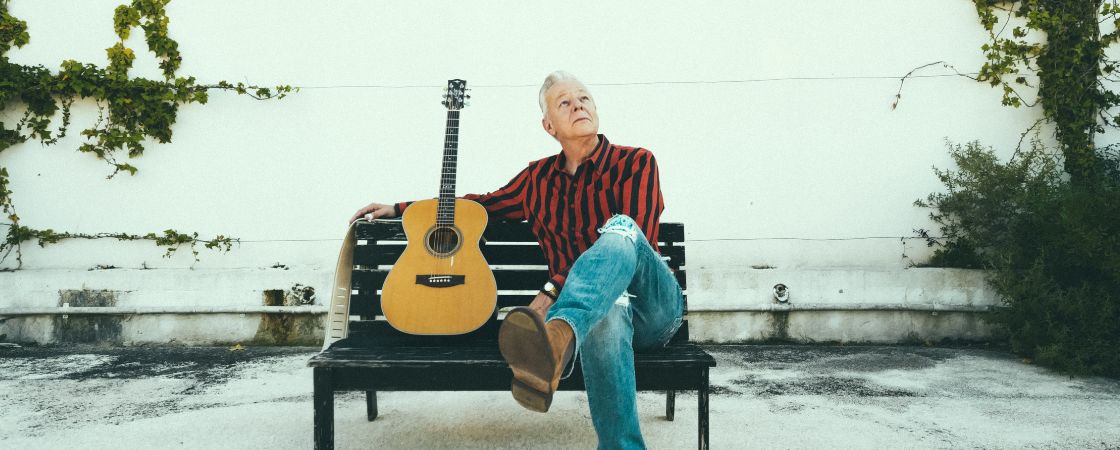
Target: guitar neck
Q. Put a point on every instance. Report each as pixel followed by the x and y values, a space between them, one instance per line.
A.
pixel 445 214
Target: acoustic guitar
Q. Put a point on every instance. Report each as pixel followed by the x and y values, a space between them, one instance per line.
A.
pixel 441 284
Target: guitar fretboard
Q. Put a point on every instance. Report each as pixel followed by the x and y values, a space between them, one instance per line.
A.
pixel 445 213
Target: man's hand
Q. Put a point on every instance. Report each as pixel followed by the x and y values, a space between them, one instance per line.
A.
pixel 540 304
pixel 374 211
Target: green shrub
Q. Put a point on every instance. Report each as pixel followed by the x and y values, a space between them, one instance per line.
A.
pixel 1052 250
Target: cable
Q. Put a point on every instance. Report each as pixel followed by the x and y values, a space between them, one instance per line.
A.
pixel 688 240
pixel 287 240
pixel 638 83
pixel 812 239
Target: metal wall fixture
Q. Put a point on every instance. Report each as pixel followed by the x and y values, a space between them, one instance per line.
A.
pixel 781 293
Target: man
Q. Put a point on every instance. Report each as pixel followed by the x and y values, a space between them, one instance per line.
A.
pixel 595 208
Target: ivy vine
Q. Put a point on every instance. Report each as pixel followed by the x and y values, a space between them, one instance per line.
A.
pixel 132 111
pixel 1071 65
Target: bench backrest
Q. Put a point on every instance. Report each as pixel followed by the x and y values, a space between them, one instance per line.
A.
pixel 513 253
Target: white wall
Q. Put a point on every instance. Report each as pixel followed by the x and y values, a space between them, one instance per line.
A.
pixel 745 165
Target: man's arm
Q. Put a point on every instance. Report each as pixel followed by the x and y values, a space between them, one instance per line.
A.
pixel 507 202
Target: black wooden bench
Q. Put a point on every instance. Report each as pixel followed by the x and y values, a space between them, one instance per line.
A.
pixel 364 353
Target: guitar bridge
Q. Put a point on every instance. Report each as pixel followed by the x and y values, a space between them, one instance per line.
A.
pixel 440 281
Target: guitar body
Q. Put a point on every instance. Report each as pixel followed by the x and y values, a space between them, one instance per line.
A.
pixel 441 284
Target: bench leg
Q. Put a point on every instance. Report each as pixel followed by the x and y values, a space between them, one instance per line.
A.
pixel 371 405
pixel 670 405
pixel 702 410
pixel 323 400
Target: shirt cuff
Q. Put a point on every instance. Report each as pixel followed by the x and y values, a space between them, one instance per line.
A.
pixel 398 208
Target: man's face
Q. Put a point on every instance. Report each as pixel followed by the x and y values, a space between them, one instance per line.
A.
pixel 569 111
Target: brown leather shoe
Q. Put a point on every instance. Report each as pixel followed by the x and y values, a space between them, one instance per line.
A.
pixel 537 353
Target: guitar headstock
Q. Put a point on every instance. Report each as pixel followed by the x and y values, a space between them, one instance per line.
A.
pixel 455 96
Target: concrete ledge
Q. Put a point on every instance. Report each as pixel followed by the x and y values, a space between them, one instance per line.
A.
pixel 113 310
pixel 277 306
pixel 863 326
pixel 845 307
pixel 166 329
pixel 733 288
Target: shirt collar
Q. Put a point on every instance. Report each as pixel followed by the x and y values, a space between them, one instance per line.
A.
pixel 597 158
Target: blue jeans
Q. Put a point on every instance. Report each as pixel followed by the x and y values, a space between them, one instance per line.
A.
pixel 610 323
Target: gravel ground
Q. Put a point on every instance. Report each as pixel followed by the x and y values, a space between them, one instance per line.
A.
pixel 764 396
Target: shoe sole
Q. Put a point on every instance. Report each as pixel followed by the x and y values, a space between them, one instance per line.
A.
pixel 530 398
pixel 524 345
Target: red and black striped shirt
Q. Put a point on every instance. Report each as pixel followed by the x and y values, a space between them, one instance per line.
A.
pixel 565 211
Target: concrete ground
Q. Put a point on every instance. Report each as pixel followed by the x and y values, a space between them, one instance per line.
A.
pixel 764 396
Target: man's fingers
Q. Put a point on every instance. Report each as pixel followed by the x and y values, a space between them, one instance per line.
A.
pixel 371 212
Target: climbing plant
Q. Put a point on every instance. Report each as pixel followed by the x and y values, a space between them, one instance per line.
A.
pixel 1071 64
pixel 132 111
pixel 1046 222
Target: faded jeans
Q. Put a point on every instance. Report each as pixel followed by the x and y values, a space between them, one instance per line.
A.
pixel 610 323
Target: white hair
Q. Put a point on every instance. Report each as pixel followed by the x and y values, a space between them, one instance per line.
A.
pixel 552 79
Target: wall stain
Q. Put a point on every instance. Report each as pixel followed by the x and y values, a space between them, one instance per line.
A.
pixel 87 328
pixel 289 329
pixel 779 325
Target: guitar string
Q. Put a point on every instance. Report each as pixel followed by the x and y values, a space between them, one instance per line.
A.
pixel 445 212
pixel 452 144
pixel 440 220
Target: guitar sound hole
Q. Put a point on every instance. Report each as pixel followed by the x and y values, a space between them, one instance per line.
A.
pixel 443 240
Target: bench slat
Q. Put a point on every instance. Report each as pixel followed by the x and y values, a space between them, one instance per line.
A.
pixel 490 378
pixel 677 367
pixel 366 304
pixel 379 334
pixel 342 355
pixel 496 230
pixel 363 304
pixel 508 279
pixel 499 255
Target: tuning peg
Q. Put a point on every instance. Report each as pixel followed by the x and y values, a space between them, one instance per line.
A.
pixel 467 96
